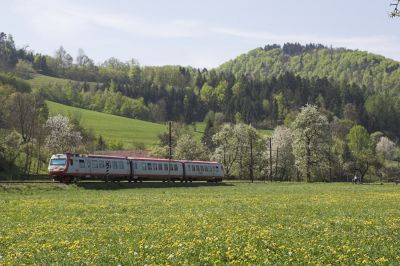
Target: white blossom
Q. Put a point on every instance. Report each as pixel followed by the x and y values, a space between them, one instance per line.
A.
pixel 386 147
pixel 61 137
pixel 311 139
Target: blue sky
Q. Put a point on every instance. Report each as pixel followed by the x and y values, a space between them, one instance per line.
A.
pixel 202 33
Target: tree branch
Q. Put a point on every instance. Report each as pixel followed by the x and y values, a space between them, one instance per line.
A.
pixel 396 11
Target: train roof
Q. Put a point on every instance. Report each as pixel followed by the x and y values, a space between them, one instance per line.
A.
pixel 106 157
pixel 99 156
pixel 136 158
pixel 167 160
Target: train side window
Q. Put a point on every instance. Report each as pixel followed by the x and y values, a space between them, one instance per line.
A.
pixel 216 168
pixel 201 168
pixel 88 163
pixel 94 164
pixel 206 168
pixel 120 165
pixel 175 167
pixel 165 167
pixel 209 169
pixel 81 163
pixel 135 165
pixel 154 166
pixel 101 164
pixel 149 166
pixel 197 168
pixel 193 168
pixel 160 166
pixel 114 164
pixel 144 166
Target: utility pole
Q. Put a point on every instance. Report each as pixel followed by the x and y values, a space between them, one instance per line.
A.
pixel 251 159
pixel 270 159
pixel 170 140
pixel 276 162
pixel 170 147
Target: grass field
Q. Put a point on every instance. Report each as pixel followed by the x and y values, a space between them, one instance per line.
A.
pixel 129 131
pixel 112 127
pixel 39 80
pixel 238 223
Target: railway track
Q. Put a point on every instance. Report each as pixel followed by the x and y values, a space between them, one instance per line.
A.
pixel 89 182
pixel 43 182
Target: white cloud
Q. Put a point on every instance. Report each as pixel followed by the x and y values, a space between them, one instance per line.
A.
pixel 62 17
pixel 79 25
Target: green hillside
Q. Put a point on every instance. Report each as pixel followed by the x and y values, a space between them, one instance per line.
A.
pixel 40 80
pixel 351 66
pixel 129 131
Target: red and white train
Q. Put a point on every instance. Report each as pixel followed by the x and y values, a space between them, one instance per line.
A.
pixel 72 167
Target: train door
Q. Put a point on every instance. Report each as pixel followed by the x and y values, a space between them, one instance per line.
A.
pixel 183 171
pixel 82 166
pixel 108 169
pixel 88 167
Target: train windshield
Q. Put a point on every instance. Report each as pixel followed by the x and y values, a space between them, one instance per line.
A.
pixel 57 161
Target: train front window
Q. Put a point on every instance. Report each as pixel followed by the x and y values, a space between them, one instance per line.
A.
pixel 57 161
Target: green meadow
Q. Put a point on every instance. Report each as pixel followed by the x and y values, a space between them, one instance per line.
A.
pixel 40 80
pixel 200 224
pixel 130 132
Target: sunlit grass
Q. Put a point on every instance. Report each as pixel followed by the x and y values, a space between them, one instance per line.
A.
pixel 201 224
pixel 40 80
pixel 115 128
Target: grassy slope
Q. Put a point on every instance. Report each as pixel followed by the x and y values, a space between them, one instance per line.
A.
pixel 42 80
pixel 129 131
pixel 111 127
pixel 200 224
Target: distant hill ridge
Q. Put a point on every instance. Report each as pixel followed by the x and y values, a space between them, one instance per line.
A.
pixel 375 72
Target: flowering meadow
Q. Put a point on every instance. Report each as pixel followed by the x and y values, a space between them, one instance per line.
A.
pixel 233 223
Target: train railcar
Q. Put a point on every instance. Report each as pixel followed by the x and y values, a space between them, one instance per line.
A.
pixel 71 167
pixel 199 170
pixel 156 169
pixel 175 170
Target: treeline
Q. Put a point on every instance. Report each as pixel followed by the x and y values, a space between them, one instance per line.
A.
pixel 263 104
pixel 374 72
pixel 28 135
pixel 310 148
pixel 265 87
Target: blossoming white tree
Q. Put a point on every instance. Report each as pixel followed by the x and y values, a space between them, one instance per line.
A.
pixel 386 147
pixel 227 147
pixel 188 148
pixel 61 137
pixel 311 139
pixel 282 152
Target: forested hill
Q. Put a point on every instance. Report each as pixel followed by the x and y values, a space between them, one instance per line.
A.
pixel 373 71
pixel 265 87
